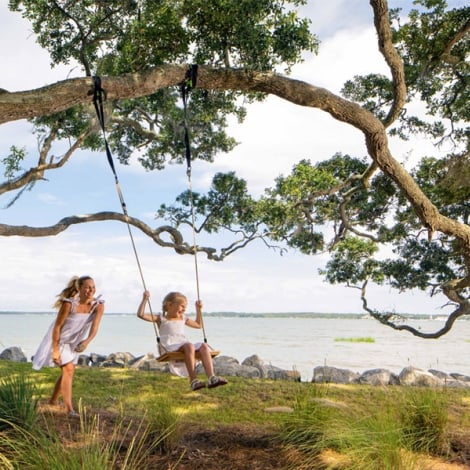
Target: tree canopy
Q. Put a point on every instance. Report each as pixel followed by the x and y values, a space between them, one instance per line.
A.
pixel 379 222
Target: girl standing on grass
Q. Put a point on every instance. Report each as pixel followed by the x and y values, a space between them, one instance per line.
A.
pixel 76 325
pixel 172 338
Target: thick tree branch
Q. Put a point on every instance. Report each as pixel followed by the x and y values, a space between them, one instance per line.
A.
pixel 393 59
pixel 68 93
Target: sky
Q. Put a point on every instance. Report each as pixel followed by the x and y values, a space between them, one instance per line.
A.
pixel 274 137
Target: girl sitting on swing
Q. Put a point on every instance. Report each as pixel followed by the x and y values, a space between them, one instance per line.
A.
pixel 172 338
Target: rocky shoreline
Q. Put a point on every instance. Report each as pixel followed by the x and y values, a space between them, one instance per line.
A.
pixel 254 367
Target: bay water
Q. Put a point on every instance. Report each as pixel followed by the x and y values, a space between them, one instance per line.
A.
pixel 289 341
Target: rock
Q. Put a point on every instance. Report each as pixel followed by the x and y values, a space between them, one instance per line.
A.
pixel 269 371
pixel 461 377
pixel 255 361
pixel 378 377
pixel 149 362
pixel 84 360
pixel 440 375
pixel 96 359
pixel 418 378
pixel 14 354
pixel 253 367
pixel 119 359
pixel 327 374
pixel 224 365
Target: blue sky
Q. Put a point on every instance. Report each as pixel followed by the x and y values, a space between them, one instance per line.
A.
pixel 275 135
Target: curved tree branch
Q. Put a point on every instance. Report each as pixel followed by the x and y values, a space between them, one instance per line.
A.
pixel 176 241
pixel 393 59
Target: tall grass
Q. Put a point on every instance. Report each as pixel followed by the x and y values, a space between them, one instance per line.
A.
pixel 423 415
pixel 127 449
pixel 18 402
pixel 386 437
pixel 164 425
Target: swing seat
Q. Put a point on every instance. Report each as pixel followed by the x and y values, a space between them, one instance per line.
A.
pixel 179 356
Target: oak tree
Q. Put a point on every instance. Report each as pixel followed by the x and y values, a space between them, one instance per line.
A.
pixel 244 51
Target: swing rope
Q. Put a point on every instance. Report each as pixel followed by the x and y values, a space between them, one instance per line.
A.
pixel 188 85
pixel 99 96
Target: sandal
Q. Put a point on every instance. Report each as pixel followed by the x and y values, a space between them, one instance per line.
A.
pixel 197 384
pixel 215 381
pixel 73 414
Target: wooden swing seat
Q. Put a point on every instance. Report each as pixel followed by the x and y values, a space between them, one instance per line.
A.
pixel 179 356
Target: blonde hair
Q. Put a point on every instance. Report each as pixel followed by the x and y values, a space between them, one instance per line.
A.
pixel 71 290
pixel 172 297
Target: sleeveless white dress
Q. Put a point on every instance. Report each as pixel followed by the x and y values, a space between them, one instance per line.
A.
pixel 74 330
pixel 172 337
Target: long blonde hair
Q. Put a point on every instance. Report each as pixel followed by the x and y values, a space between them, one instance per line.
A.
pixel 71 290
pixel 172 297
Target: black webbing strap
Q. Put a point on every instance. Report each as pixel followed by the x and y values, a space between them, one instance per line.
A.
pixel 188 85
pixel 99 96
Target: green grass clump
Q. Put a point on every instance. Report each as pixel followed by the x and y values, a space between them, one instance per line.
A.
pixel 386 432
pixel 366 339
pixel 424 419
pixel 18 402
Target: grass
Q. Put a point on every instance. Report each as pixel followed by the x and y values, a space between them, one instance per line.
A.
pixel 366 427
pixel 366 339
pixel 18 401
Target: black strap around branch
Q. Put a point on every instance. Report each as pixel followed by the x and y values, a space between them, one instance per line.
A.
pixel 188 84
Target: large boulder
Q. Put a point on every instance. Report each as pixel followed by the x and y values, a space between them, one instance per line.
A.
pixel 14 354
pixel 378 377
pixel 413 376
pixel 270 371
pixel 225 365
pixel 327 374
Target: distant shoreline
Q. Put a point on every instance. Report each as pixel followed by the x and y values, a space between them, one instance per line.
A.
pixel 353 316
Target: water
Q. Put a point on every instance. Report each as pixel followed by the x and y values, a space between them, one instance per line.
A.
pixel 299 342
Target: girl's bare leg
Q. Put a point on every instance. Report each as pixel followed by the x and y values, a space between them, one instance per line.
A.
pixel 190 360
pixel 56 392
pixel 68 371
pixel 206 359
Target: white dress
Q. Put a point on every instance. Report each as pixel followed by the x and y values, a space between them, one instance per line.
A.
pixel 74 330
pixel 172 337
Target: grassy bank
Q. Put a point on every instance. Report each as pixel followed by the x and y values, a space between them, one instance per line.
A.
pixel 137 420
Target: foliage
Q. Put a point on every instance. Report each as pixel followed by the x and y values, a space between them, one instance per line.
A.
pixel 12 162
pixel 18 402
pixel 125 36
